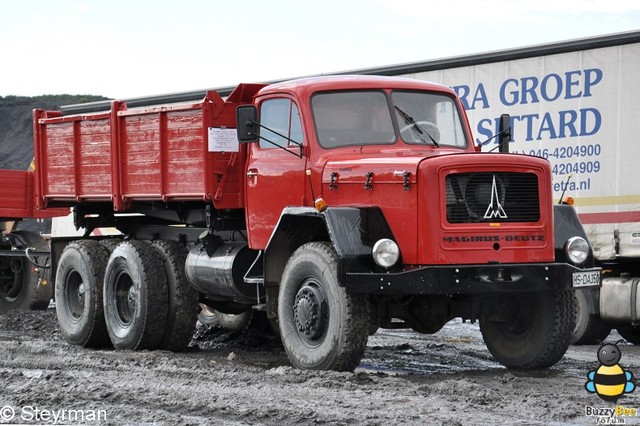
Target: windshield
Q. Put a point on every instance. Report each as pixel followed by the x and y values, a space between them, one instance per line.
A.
pixel 350 118
pixel 428 118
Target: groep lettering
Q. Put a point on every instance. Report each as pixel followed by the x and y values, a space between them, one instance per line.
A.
pixel 551 87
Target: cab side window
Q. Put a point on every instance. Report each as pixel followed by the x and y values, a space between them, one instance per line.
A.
pixel 281 116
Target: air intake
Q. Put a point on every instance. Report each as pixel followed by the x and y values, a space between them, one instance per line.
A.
pixel 492 197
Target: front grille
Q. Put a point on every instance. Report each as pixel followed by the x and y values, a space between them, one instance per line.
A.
pixel 492 197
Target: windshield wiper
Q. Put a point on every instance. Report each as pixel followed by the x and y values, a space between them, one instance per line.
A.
pixel 415 126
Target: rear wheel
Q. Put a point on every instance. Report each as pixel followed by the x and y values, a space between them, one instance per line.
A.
pixel 79 280
pixel 183 299
pixel 21 287
pixel 530 331
pixel 322 326
pixel 135 296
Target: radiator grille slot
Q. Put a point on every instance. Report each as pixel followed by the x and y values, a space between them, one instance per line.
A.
pixel 492 197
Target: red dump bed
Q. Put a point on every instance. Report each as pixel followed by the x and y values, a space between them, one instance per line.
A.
pixel 158 153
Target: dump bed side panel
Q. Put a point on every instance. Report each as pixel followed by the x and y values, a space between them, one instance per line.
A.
pixel 164 156
pixel 17 197
pixel 15 194
pixel 157 153
pixel 74 158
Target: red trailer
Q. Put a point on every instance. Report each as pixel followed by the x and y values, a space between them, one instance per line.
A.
pixel 334 205
pixel 24 255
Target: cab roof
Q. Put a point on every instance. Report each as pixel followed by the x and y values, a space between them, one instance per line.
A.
pixel 307 86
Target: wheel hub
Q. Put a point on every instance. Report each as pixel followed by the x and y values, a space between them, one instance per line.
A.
pixel 309 312
pixel 75 294
pixel 131 298
pixel 126 299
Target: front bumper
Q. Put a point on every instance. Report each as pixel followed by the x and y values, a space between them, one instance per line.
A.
pixel 467 279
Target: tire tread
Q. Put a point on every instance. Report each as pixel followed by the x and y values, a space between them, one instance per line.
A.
pixel 95 257
pixel 183 299
pixel 552 342
pixel 149 331
pixel 356 320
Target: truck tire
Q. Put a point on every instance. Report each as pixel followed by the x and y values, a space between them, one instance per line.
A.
pixel 135 296
pixel 79 281
pixel 321 325
pixel 630 333
pixel 110 244
pixel 590 328
pixel 183 299
pixel 25 291
pixel 533 332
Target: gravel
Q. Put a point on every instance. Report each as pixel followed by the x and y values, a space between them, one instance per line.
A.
pixel 407 378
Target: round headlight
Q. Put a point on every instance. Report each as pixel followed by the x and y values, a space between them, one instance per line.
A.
pixel 385 253
pixel 577 250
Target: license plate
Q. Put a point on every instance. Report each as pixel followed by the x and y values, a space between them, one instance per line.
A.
pixel 586 279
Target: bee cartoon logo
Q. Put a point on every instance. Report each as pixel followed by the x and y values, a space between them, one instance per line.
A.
pixel 610 381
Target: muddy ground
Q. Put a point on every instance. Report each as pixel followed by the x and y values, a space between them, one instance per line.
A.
pixel 229 379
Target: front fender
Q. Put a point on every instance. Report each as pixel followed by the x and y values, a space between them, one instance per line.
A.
pixel 351 230
pixel 566 225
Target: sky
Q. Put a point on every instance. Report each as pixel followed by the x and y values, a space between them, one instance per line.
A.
pixel 131 48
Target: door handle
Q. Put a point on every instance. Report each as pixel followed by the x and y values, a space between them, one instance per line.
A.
pixel 252 173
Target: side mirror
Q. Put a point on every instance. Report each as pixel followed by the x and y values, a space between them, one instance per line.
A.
pixel 504 131
pixel 246 119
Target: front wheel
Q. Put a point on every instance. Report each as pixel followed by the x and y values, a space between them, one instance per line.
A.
pixel 321 325
pixel 530 331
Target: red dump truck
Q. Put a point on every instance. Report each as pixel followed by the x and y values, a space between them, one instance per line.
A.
pixel 336 205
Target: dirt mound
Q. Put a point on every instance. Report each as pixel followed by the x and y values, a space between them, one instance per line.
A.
pixel 16 128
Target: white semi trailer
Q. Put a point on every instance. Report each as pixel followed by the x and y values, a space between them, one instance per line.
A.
pixel 576 104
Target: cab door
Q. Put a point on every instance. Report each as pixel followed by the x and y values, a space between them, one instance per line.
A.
pixel 275 169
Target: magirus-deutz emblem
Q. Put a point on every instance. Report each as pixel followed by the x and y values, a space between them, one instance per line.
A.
pixel 495 210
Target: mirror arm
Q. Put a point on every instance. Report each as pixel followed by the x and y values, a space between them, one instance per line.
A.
pixel 298 144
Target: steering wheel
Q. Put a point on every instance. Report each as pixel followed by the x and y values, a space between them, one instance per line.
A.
pixel 410 132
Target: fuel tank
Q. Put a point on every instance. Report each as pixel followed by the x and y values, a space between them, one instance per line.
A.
pixel 219 274
pixel 619 299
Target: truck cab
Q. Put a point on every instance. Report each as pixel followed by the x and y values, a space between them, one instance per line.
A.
pixel 339 138
pixel 377 180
